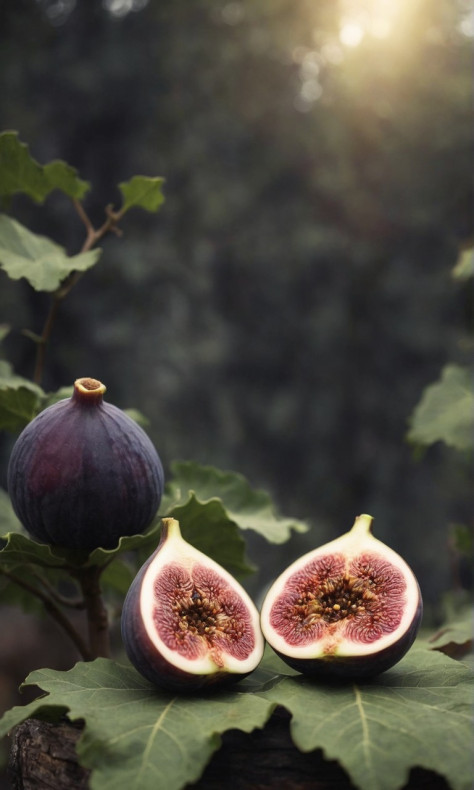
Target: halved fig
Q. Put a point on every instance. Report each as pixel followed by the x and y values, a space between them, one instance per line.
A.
pixel 186 622
pixel 350 608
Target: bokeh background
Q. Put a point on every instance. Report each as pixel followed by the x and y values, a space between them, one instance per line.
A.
pixel 284 311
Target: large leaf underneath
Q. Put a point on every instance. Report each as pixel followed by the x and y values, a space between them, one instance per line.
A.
pixel 416 715
pixel 246 507
pixel 446 411
pixel 419 714
pixel 455 637
pixel 137 738
pixel 19 172
pixel 42 262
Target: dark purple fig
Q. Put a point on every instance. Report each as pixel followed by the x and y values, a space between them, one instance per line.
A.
pixel 82 474
pixel 187 623
pixel 350 608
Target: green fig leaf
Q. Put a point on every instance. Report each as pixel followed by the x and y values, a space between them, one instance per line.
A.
pixel 418 714
pixel 19 399
pixel 142 192
pixel 8 519
pixel 51 398
pixel 464 268
pixel 208 528
pixel 143 543
pixel 19 172
pixel 242 505
pixel 446 411
pixel 19 550
pixel 27 569
pixel 41 261
pixel 136 737
pixel 117 577
pixel 27 566
pixel 455 637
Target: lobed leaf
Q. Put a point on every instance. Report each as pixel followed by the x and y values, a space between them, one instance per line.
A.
pixel 25 562
pixel 136 737
pixel 143 543
pixel 446 411
pixel 455 637
pixel 143 192
pixel 464 268
pixel 4 331
pixel 418 714
pixel 19 550
pixel 42 262
pixel 206 526
pixel 23 559
pixel 242 505
pixel 19 172
pixel 19 399
pixel 8 519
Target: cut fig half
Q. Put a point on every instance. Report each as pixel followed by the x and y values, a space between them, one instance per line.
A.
pixel 186 622
pixel 350 608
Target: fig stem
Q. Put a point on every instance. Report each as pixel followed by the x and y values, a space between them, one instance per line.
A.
pixel 54 611
pixel 170 527
pixel 362 525
pixel 97 617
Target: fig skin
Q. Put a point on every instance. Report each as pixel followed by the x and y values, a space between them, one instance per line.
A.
pixel 324 661
pixel 83 474
pixel 144 654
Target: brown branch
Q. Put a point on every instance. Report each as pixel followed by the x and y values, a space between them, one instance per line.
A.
pixel 62 600
pixel 93 236
pixel 54 611
pixel 110 225
pixel 97 617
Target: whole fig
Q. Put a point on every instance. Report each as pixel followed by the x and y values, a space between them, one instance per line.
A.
pixel 82 474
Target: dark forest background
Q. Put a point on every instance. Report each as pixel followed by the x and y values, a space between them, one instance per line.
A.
pixel 284 311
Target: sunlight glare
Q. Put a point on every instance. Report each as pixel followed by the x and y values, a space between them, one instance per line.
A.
pixel 120 8
pixel 351 34
pixel 467 25
pixel 359 18
pixel 380 28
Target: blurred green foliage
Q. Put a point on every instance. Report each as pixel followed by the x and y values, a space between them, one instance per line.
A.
pixel 283 314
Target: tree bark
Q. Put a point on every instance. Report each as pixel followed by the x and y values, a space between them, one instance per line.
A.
pixel 43 757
